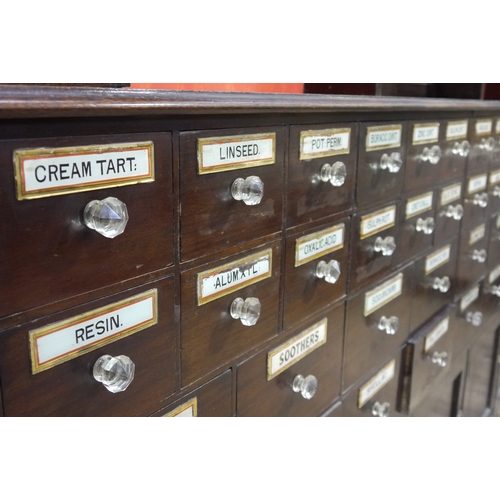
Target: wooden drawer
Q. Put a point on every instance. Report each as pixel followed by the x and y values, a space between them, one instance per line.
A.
pixel 482 144
pixel 494 242
pixel 494 192
pixel 46 246
pixel 264 387
pixel 366 342
pixel 320 156
pixel 210 336
pixel 455 149
pixel 211 217
pixel 449 212
pixel 69 388
pixel 476 200
pixel 305 292
pixel 495 157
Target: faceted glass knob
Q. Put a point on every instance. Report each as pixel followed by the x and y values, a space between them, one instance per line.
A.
pixel 335 174
pixel 249 190
pixel 385 245
pixel 432 154
pixel 389 325
pixel 454 212
pixel 116 373
pixel 392 162
pixel 381 409
pixel 108 217
pixel 442 284
pixel 493 290
pixel 330 272
pixel 479 255
pixel 426 226
pixel 480 199
pixel 476 318
pixel 439 358
pixel 306 386
pixel 496 191
pixel 248 310
pixel 487 144
pixel 461 148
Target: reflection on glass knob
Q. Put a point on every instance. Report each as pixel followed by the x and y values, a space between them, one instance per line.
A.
pixel 385 245
pixel 381 409
pixel 306 386
pixel 442 284
pixel 480 199
pixel 476 318
pixel 487 144
pixel 439 358
pixel 389 325
pixel 496 191
pixel 493 290
pixel 392 162
pixel 116 373
pixel 479 255
pixel 249 190
pixel 425 225
pixel 330 271
pixel 335 174
pixel 108 217
pixel 461 148
pixel 456 212
pixel 432 155
pixel 248 310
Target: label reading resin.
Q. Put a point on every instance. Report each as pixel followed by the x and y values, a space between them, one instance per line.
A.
pixel 383 137
pixel 437 259
pixel 296 348
pixel 432 337
pixel 477 234
pixel 383 294
pixel 451 193
pixel 367 391
pixel 44 172
pixel 494 177
pixel 378 221
pixel 494 274
pixel 188 409
pixel 477 183
pixel 226 279
pixel 217 154
pixel 315 245
pixel 59 342
pixel 425 133
pixel 456 130
pixel 484 127
pixel 320 143
pixel 469 298
pixel 418 205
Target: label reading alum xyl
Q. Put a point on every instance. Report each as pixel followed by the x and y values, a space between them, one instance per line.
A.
pixel 376 222
pixel 383 137
pixel 315 245
pixel 367 391
pixel 383 294
pixel 321 143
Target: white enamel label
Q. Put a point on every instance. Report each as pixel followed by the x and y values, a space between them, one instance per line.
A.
pixel 469 298
pixel 484 127
pixel 386 136
pixel 477 234
pixel 188 409
pixel 456 130
pixel 425 133
pixel 383 294
pixel 374 223
pixel 494 177
pixel 299 346
pixel 432 337
pixel 494 274
pixel 418 205
pixel 317 244
pixel 437 259
pixel 376 383
pixel 497 127
pixel 477 183
pixel 320 143
pixel 451 193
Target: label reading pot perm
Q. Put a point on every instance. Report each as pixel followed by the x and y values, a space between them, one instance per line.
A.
pixel 188 409
pixel 383 294
pixel 451 193
pixel 316 245
pixel 456 130
pixel 437 259
pixel 374 223
pixel 418 205
pixel 321 143
pixel 425 133
pixel 367 391
pixel 432 337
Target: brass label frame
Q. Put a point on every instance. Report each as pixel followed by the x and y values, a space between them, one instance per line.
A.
pixel 382 128
pixel 325 133
pixel 488 132
pixel 381 228
pixel 494 177
pixel 466 300
pixel 436 334
pixel 473 238
pixel 456 137
pixel 433 254
pixel 471 181
pixel 416 198
pixel 315 236
pixel 447 189
pixel 388 366
pixel 387 284
pixel 192 403
pixel 424 141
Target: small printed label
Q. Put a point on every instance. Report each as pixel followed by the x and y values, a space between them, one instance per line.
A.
pixel 477 183
pixel 477 234
pixel 432 337
pixel 188 409
pixel 497 127
pixel 44 172
pixel 484 127
pixel 383 137
pixel 376 383
pixel 217 154
pixel 226 279
pixel 315 245
pixel 59 342
pixel 383 294
pixel 378 221
pixel 418 205
pixel 321 143
pixel 494 177
pixel 456 130
pixel 451 193
pixel 498 222
pixel 437 259
pixel 425 133
pixel 469 298
pixel 494 274
pixel 287 354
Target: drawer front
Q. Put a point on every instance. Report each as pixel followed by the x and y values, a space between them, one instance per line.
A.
pixel 210 335
pixel 212 399
pixel 482 144
pixel 69 388
pixel 321 171
pixel 455 149
pixel 476 200
pixel 212 218
pixel 313 261
pixel 368 336
pixel 382 154
pixel 265 382
pixel 46 245
pixel 449 212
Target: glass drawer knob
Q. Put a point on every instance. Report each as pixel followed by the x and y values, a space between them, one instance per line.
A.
pixel 248 310
pixel 439 358
pixel 480 199
pixel 432 154
pixel 487 144
pixel 493 290
pixel 461 148
pixel 108 217
pixel 442 284
pixel 479 255
pixel 426 226
pixel 329 271
pixel 454 212
pixel 115 373
pixel 389 325
pixel 249 190
pixel 476 318
pixel 496 191
pixel 392 162
pixel 306 386
pixel 335 174
pixel 381 409
pixel 385 245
